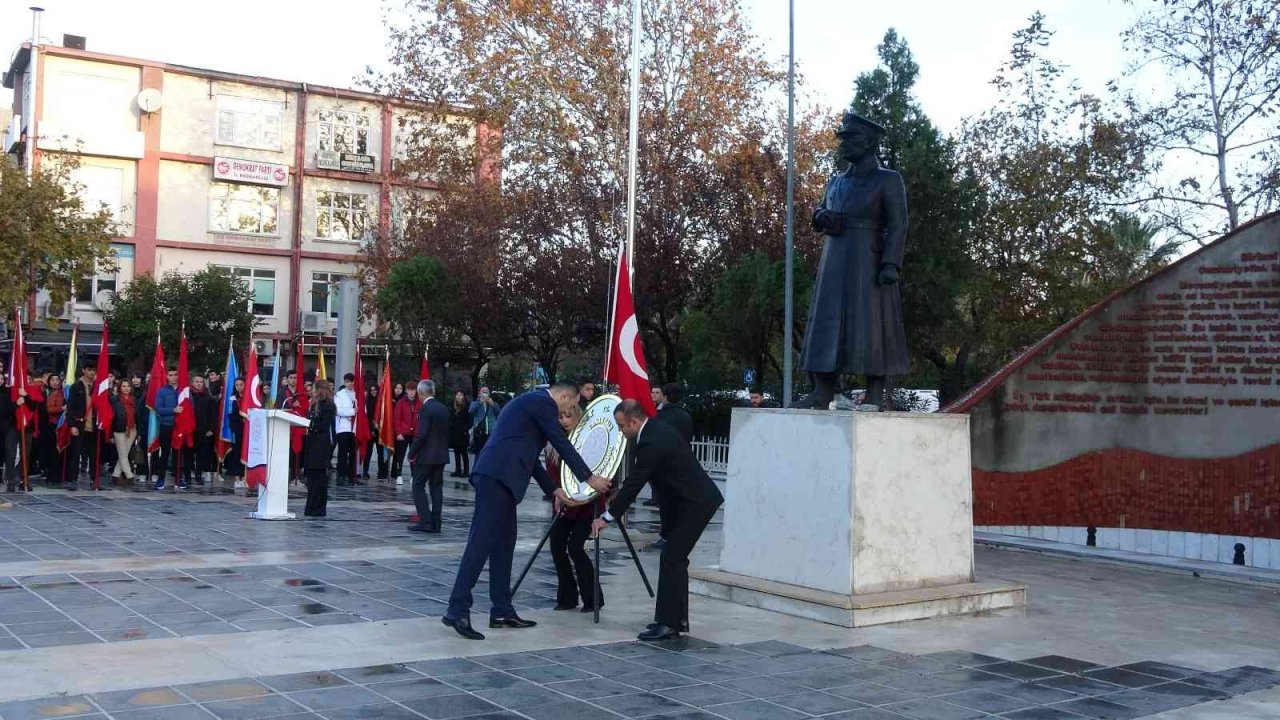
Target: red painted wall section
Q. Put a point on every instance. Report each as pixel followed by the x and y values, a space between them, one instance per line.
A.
pixel 1134 489
pixel 148 203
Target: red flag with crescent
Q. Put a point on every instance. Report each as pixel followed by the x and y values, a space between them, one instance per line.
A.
pixel 253 476
pixel 624 363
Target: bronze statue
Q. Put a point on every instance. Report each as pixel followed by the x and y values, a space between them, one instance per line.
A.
pixel 855 316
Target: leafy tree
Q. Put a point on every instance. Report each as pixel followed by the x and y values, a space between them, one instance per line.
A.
pixel 418 300
pixel 50 237
pixel 215 309
pixel 1215 130
pixel 553 76
pixel 943 200
pixel 1051 165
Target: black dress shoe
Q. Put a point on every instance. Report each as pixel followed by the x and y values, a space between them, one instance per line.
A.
pixel 658 632
pixel 566 606
pixel 434 529
pixel 684 626
pixel 419 527
pixel 463 627
pixel 514 622
pixel 590 608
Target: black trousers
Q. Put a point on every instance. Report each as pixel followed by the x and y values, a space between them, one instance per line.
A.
pixel 160 468
pixel 204 460
pixel 9 460
pixel 369 450
pixel 461 460
pixel 346 457
pixel 71 459
pixel 397 460
pixel 683 533
pixel 317 493
pixel 428 477
pixel 575 575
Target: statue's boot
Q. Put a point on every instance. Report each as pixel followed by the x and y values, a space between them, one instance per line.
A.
pixel 824 389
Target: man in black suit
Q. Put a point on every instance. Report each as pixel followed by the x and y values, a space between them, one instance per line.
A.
pixel 673 413
pixel 500 478
pixel 428 455
pixel 664 459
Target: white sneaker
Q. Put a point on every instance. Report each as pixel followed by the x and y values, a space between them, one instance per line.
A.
pixel 399 480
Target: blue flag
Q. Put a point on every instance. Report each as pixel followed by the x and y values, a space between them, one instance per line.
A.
pixel 228 385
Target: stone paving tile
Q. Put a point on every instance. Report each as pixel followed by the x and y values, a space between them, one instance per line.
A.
pixel 72 706
pixel 174 712
pixel 934 710
pixel 1100 708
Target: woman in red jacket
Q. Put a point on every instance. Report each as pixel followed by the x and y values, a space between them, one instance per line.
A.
pixel 406 420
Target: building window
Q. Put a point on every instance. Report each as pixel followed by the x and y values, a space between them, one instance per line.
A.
pixel 250 123
pixel 341 216
pixel 324 292
pixel 89 287
pixel 250 209
pixel 344 132
pixel 262 283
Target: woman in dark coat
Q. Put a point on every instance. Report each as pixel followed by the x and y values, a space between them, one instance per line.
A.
pixel 459 432
pixel 232 467
pixel 318 448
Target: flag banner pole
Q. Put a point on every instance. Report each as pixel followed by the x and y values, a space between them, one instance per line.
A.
pixel 788 322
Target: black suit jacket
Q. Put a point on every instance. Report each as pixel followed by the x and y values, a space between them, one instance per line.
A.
pixel 77 405
pixel 664 460
pixel 431 443
pixel 678 418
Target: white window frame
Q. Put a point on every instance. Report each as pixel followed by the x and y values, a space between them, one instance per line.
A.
pixel 96 284
pixel 92 198
pixel 245 117
pixel 341 130
pixel 224 196
pixel 250 274
pixel 329 206
pixel 330 279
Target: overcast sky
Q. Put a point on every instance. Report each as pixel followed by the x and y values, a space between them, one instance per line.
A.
pixel 329 42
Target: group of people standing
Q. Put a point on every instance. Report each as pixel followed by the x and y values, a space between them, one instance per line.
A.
pixel 662 459
pixel 50 432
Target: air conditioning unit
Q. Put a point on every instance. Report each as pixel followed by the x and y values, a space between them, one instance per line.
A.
pixel 57 311
pixel 264 347
pixel 313 321
pixel 104 300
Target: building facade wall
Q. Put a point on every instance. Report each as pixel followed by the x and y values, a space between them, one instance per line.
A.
pixel 1155 410
pixel 156 170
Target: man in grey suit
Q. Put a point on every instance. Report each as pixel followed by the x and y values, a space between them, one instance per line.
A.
pixel 428 454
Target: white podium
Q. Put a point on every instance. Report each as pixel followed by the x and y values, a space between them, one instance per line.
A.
pixel 850 518
pixel 269 446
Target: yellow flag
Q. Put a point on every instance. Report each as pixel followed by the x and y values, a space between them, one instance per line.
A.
pixel 321 373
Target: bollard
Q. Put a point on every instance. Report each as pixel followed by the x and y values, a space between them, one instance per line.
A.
pixel 1239 556
pixel 1092 540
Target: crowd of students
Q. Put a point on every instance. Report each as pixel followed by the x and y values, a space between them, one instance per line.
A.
pixel 49 433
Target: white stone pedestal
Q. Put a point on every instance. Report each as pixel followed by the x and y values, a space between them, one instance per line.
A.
pixel 850 518
pixel 269 445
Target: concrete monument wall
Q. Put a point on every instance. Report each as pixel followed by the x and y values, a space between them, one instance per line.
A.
pixel 1159 408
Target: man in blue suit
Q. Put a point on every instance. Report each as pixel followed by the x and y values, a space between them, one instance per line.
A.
pixel 500 478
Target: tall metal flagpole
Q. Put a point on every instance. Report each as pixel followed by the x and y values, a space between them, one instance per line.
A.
pixel 634 139
pixel 788 316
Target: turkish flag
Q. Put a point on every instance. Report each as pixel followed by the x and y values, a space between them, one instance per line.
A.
pixel 424 370
pixel 624 363
pixel 252 400
pixel 184 425
pixel 102 392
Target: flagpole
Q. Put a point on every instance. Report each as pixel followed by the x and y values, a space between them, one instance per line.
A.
pixel 634 141
pixel 788 321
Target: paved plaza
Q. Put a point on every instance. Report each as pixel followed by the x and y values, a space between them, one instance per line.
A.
pixel 134 604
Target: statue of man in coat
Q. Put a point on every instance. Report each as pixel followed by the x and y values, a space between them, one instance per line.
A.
pixel 855 316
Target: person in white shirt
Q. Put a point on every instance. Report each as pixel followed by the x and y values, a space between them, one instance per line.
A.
pixel 344 429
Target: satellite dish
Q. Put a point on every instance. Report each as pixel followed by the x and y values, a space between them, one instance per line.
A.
pixel 104 300
pixel 150 100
